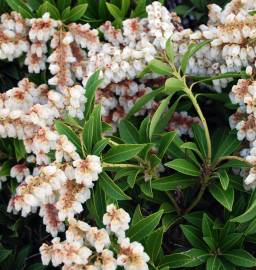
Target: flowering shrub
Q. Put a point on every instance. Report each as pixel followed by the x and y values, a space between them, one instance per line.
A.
pixel 126 140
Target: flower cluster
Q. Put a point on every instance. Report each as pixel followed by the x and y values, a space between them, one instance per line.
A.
pixel 244 121
pixel 118 98
pixel 87 247
pixel 182 123
pixel 28 112
pixel 59 189
pixel 13 36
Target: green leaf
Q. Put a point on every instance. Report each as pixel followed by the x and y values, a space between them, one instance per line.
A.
pixel 128 132
pixel 100 146
pixel 191 258
pixel 143 131
pixel 139 10
pixel 173 85
pixel 159 67
pixel 213 263
pixel 207 225
pixel 97 205
pixel 20 261
pixel 92 129
pixel 240 257
pixel 5 168
pixel 77 13
pixel 131 179
pixel 142 101
pixel 20 7
pixel 48 7
pixel 224 197
pixel 122 152
pixel 195 218
pixel 20 151
pixel 63 129
pixel 200 139
pixel 116 13
pixel 62 4
pixel 88 134
pixel 167 116
pixel 144 227
pixel 137 215
pixel 235 164
pixel 248 215
pixel 4 253
pixel 146 188
pixel 224 178
pixel 190 52
pixel 230 240
pixel 228 146
pixel 183 166
pixel 157 115
pixel 251 229
pixel 165 141
pixel 153 243
pixel 192 146
pixel 111 189
pixel 91 87
pixel 193 236
pixel 125 7
pixel 172 182
pixel 169 50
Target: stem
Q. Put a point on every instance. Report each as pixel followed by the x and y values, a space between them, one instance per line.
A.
pixel 198 198
pixel 233 158
pixel 177 208
pixel 202 118
pixel 120 165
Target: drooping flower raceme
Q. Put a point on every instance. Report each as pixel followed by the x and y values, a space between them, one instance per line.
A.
pixel 87 247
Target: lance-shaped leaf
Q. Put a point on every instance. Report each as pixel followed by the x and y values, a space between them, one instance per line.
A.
pixel 145 226
pixel 111 189
pixel 183 166
pixel 123 152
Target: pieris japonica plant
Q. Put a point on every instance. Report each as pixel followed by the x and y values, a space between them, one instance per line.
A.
pixel 127 141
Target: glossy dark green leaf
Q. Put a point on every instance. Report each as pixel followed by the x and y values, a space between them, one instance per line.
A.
pixel 157 116
pixel 224 178
pixel 128 132
pixel 224 197
pixel 230 241
pixel 122 152
pixel 111 189
pixel 190 52
pixel 183 166
pixel 142 101
pixel 229 145
pixel 200 139
pixel 191 258
pixel 240 257
pixel 77 13
pixel 172 182
pixel 49 7
pixel 153 243
pixel 20 7
pixel 63 129
pixel 165 141
pixel 145 226
pixel 214 263
pixel 193 236
pixel 20 151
